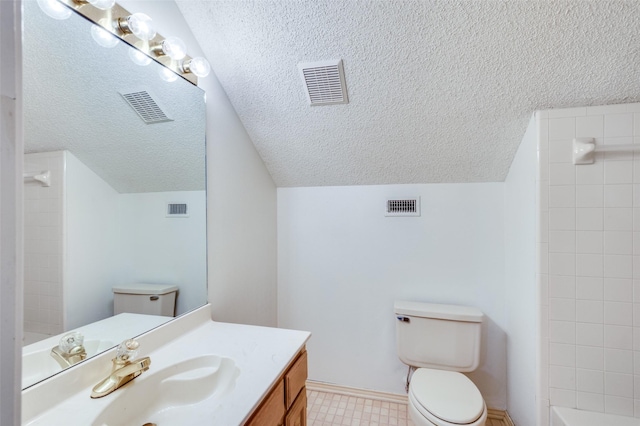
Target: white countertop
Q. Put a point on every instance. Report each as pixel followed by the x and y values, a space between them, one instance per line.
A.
pixel 260 353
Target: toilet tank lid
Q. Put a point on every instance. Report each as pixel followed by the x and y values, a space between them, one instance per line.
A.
pixel 142 288
pixel 437 311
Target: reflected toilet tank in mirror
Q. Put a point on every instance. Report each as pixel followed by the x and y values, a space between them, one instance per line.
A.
pixel 125 152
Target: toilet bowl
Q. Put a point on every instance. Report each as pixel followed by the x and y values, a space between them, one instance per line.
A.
pixel 445 398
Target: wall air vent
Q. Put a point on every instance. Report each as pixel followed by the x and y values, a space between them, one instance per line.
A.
pixel 403 207
pixel 324 82
pixel 146 106
pixel 177 210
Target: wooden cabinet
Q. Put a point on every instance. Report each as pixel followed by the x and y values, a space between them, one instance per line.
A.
pixel 286 402
pixel 297 414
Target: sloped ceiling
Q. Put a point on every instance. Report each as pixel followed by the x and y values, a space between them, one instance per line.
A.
pixel 440 91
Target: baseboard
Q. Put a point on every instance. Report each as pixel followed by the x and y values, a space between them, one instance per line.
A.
pixel 499 415
pixel 493 414
pixel 357 392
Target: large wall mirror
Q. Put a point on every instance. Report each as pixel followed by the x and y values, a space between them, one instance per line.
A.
pixel 123 150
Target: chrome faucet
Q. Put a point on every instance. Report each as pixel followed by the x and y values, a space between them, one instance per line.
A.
pixel 69 350
pixel 125 368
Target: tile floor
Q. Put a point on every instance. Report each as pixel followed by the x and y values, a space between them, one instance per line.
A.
pixel 330 409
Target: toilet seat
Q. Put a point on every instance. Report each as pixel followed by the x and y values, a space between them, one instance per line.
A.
pixel 446 397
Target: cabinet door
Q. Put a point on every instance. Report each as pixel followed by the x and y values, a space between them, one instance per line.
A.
pixel 295 379
pixel 297 415
pixel 271 411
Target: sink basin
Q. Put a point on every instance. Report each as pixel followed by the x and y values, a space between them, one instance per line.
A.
pixel 39 365
pixel 169 396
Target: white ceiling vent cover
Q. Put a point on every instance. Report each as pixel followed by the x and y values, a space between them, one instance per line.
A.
pixel 403 207
pixel 324 82
pixel 146 106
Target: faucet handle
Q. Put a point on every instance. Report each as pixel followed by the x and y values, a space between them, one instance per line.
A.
pixel 70 341
pixel 127 350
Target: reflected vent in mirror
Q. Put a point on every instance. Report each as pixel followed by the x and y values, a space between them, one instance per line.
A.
pixel 146 106
pixel 403 207
pixel 177 210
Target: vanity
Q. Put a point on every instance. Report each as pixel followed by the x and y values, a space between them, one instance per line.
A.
pixel 201 372
pixel 130 186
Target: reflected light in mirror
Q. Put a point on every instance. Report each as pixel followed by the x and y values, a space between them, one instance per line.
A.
pixel 167 75
pixel 54 9
pixel 103 37
pixel 139 58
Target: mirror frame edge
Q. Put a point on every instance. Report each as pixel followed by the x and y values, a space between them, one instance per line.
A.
pixel 11 192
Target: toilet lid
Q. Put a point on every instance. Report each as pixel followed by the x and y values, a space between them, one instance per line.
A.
pixel 448 395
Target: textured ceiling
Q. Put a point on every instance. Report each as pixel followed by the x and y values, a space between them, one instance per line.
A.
pixel 72 101
pixel 440 91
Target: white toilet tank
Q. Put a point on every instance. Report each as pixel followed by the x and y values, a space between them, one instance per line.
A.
pixel 149 299
pixel 443 337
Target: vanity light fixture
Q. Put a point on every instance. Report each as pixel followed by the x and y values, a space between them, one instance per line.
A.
pixel 173 47
pixel 138 24
pixel 199 66
pixel 100 4
pixel 54 9
pixel 103 37
pixel 136 30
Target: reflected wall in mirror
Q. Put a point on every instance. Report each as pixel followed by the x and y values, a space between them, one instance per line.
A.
pixel 104 220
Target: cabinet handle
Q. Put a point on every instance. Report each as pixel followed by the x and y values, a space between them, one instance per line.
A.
pixel 154 298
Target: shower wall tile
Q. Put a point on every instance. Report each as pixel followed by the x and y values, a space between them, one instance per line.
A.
pixel 43 245
pixel 592 357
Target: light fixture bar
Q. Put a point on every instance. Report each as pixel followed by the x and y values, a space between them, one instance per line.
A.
pixel 106 19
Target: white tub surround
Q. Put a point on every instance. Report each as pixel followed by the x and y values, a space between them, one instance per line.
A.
pixel 261 355
pixel 562 416
pixel 589 263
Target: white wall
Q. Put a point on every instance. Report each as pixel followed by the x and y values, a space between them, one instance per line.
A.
pixel 113 239
pixel 589 246
pixel 342 264
pixel 520 279
pixel 156 249
pixel 92 245
pixel 241 197
pixel 11 265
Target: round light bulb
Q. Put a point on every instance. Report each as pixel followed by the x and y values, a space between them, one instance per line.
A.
pixel 167 75
pixel 138 57
pixel 198 66
pixel 54 9
pixel 103 37
pixel 141 26
pixel 174 48
pixel 102 4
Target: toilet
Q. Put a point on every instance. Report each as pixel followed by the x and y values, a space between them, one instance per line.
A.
pixel 149 299
pixel 441 342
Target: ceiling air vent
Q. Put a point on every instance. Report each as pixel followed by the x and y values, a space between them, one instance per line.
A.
pixel 146 107
pixel 177 210
pixel 324 82
pixel 403 207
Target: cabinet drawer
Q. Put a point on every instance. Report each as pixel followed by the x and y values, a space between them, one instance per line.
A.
pixel 271 411
pixel 295 379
